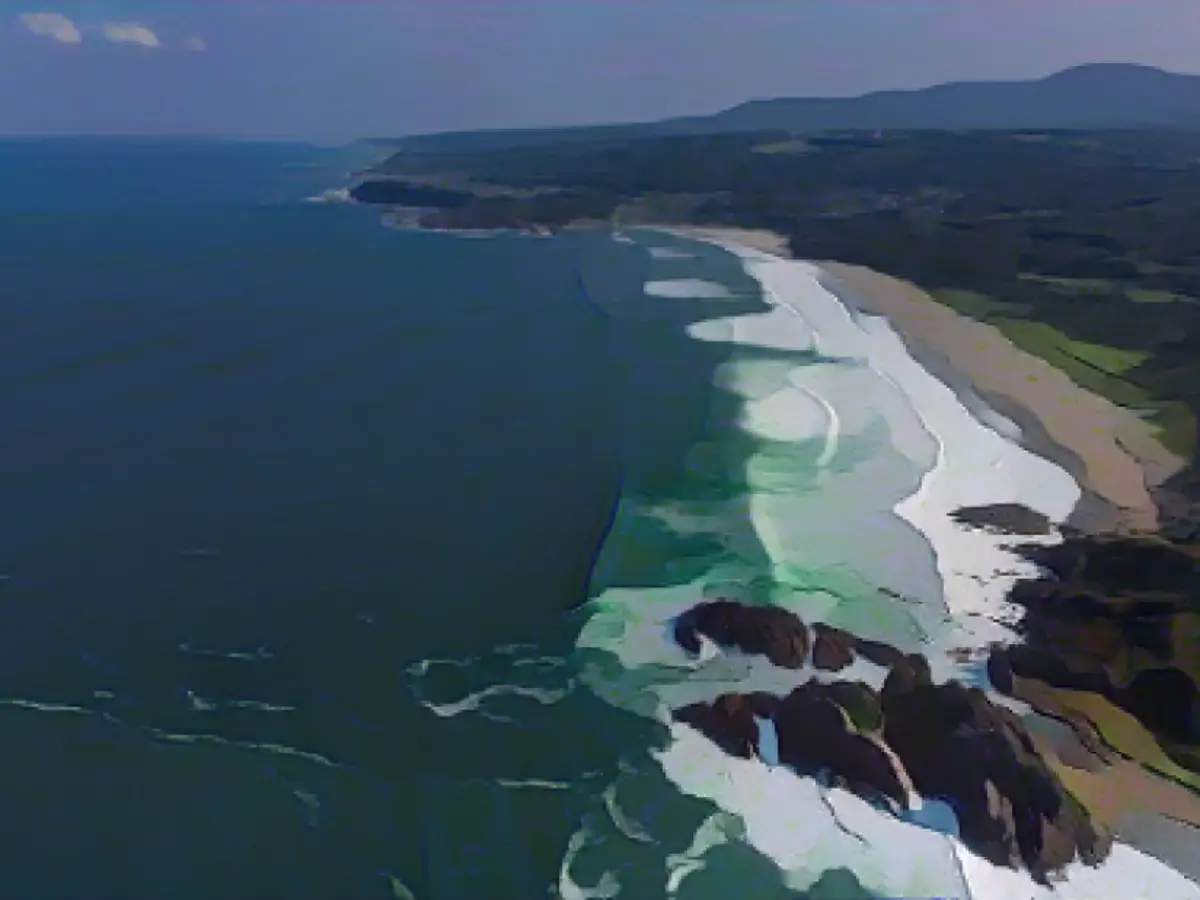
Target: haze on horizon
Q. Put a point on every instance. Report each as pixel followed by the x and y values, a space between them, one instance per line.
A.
pixel 335 70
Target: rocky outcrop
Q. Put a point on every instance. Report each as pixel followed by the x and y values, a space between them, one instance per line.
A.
pixel 1003 518
pixel 779 635
pixel 833 649
pixel 1120 565
pixel 1109 662
pixel 816 731
pixel 817 727
pixel 946 741
pixel 878 652
pixel 767 631
pixel 1026 661
pixel 958 746
pixel 730 720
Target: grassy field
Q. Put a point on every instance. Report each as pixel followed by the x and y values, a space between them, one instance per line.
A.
pixel 1085 287
pixel 1126 734
pixel 1177 427
pixel 1046 341
pixel 1072 286
pixel 1094 367
pixel 1149 295
pixel 976 305
pixel 1077 360
pixel 1098 368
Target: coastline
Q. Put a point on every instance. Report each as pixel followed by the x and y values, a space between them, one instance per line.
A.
pixel 1111 453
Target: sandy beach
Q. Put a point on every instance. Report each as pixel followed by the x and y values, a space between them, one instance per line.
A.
pixel 1114 457
pixel 756 239
pixel 1108 449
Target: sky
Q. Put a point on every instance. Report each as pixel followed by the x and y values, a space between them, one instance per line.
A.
pixel 335 70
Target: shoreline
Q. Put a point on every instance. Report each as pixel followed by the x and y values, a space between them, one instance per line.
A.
pixel 1144 810
pixel 1112 454
pixel 1092 514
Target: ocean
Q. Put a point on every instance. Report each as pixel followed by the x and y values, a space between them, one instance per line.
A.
pixel 338 560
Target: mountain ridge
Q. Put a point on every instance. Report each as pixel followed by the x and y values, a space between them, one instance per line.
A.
pixel 1092 95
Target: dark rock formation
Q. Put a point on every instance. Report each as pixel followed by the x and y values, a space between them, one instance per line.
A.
pixel 1026 661
pixel 816 732
pixel 1003 518
pixel 729 721
pixel 833 649
pixel 907 675
pixel 881 654
pixel 777 634
pixel 861 704
pixel 1120 564
pixel 767 631
pixel 1000 672
pixel 946 740
pixel 816 729
pixel 958 746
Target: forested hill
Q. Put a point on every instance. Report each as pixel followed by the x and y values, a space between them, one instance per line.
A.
pixel 1103 95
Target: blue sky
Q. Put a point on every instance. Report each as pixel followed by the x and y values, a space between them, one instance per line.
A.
pixel 338 69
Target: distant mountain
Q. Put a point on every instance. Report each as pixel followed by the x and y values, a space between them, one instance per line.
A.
pixel 1100 95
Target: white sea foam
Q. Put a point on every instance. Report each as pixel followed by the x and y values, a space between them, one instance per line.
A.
pixel 807 829
pixel 332 195
pixel 608 887
pixel 837 521
pixel 474 701
pixel 676 288
pixel 669 253
pixel 973 464
pixel 713 832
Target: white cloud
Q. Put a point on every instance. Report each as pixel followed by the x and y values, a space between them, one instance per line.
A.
pixel 196 44
pixel 52 25
pixel 130 33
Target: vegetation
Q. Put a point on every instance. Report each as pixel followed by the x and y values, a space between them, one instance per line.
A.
pixel 1082 246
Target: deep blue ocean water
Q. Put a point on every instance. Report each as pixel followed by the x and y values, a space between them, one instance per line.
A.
pixel 265 463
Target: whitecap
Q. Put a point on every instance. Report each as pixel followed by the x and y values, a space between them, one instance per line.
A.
pixel 608 887
pixel 687 288
pixel 628 826
pixel 669 253
pixel 332 195
pixel 475 700
pixel 714 831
